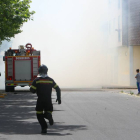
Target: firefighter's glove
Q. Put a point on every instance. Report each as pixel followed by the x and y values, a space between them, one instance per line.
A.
pixel 59 101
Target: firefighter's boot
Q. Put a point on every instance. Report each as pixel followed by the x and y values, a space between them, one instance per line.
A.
pixel 44 131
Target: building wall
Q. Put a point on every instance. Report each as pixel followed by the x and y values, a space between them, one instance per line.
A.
pixel 134 63
pixel 125 22
pixel 127 56
pixel 134 37
pixel 123 66
pixel 136 58
pixel 128 61
pixel 134 22
pixel 115 23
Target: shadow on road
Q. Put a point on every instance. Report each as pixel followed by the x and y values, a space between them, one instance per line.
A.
pixel 17 116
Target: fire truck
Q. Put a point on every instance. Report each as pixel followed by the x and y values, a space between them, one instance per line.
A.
pixel 21 66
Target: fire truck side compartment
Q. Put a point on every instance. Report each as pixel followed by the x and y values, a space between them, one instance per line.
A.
pixel 10 66
pixel 35 66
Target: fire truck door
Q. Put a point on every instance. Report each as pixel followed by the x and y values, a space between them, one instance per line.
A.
pixel 23 70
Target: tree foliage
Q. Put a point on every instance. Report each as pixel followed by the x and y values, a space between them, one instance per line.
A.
pixel 13 13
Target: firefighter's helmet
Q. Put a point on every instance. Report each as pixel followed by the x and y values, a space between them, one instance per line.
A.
pixel 43 69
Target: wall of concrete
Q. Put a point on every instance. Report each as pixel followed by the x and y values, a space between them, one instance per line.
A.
pixel 134 63
pixel 126 59
pixel 115 24
pixel 136 58
pixel 125 22
pixel 128 62
pixel 134 22
pixel 123 66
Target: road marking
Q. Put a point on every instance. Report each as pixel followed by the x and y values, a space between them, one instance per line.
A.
pixel 2 95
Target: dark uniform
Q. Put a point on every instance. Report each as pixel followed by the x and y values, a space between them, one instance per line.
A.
pixel 43 88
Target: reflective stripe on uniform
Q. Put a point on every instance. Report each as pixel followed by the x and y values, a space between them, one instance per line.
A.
pixel 49 112
pixel 33 87
pixel 55 86
pixel 39 112
pixel 44 82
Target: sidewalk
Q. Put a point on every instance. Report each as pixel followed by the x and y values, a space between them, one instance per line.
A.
pixel 119 87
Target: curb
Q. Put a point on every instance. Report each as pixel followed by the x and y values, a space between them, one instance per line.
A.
pixel 129 94
pixel 119 87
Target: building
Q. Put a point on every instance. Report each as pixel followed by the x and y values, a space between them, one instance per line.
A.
pixel 124 40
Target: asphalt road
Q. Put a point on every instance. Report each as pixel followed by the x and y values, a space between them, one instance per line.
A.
pixel 83 115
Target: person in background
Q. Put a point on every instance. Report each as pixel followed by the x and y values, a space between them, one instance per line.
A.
pixel 138 80
pixel 42 86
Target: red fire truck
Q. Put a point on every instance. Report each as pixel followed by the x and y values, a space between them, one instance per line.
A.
pixel 21 66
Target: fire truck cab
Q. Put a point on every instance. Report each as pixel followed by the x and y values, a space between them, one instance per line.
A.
pixel 21 66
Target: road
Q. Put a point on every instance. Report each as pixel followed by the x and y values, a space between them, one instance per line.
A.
pixel 83 115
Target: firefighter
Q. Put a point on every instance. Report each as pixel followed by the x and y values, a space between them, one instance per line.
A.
pixel 43 87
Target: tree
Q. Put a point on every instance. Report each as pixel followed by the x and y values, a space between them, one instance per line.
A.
pixel 13 13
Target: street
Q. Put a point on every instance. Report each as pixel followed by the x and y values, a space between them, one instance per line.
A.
pixel 83 115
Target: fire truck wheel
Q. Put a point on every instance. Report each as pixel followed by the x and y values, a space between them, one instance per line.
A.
pixel 6 89
pixel 12 89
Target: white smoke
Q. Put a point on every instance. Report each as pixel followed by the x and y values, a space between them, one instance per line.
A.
pixel 70 37
pixel 5 45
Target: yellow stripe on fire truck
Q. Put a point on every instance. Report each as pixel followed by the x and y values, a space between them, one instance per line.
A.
pixel 11 84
